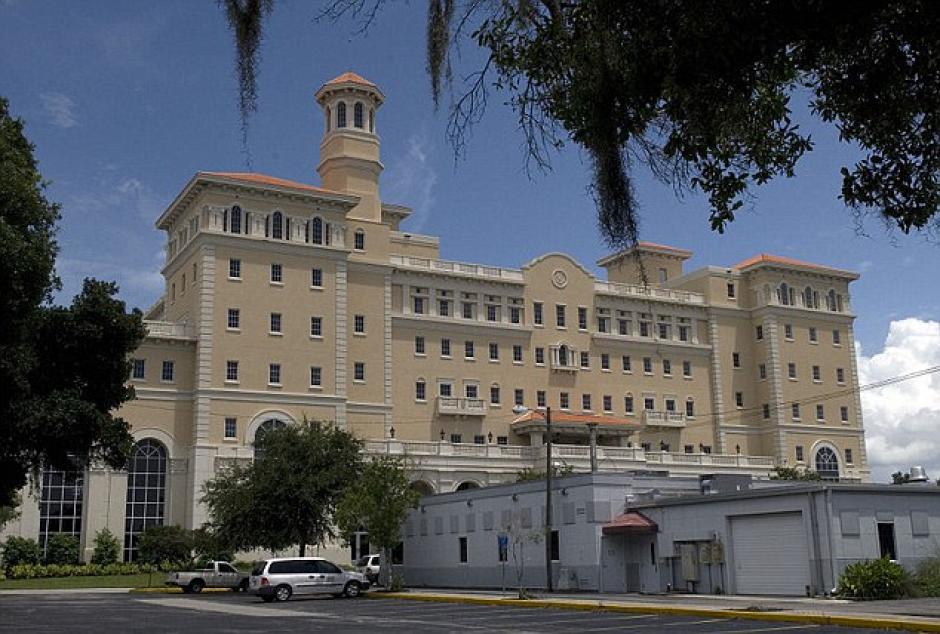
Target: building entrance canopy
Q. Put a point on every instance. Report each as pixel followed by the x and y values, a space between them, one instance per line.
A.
pixel 631 523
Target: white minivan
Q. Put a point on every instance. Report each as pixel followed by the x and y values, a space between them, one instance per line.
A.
pixel 279 579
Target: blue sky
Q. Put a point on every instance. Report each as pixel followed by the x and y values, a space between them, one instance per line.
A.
pixel 126 100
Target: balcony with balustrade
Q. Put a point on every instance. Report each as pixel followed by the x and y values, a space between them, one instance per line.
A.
pixel 667 420
pixel 459 406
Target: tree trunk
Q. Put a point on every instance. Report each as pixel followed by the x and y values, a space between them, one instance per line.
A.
pixel 385 568
pixel 303 548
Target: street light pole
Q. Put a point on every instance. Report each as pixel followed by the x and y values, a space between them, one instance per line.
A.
pixel 548 499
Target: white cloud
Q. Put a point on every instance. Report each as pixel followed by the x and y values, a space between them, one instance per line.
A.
pixel 137 285
pixel 902 421
pixel 60 108
pixel 128 193
pixel 411 182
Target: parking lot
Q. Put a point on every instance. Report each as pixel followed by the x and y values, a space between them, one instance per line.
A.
pixel 223 612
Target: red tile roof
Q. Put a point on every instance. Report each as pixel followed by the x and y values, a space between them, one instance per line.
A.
pixel 567 417
pixel 264 179
pixel 766 258
pixel 631 522
pixel 350 77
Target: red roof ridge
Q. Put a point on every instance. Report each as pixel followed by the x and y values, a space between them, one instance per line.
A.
pixel 768 258
pixel 264 179
pixel 351 78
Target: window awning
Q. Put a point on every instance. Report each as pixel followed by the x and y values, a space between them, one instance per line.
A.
pixel 631 523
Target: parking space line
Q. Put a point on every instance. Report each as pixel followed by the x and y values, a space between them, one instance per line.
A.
pixel 677 624
pixel 800 626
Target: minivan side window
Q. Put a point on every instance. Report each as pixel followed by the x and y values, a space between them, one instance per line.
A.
pixel 326 567
pixel 292 566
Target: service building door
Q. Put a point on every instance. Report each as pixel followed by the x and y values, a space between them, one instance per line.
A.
pixel 770 553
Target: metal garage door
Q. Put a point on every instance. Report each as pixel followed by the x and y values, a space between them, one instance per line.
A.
pixel 770 554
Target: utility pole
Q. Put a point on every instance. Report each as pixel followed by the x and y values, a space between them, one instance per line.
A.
pixel 548 499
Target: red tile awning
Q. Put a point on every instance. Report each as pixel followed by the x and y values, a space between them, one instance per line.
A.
pixel 631 523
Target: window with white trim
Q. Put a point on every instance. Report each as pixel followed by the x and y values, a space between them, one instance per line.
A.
pixel 419 344
pixel 316 278
pixel 231 428
pixel 359 371
pixel 275 324
pixel 586 402
pixel 359 324
pixel 494 394
pixel 234 269
pixel 277 274
pixel 517 353
pixel 231 371
pixel 316 326
pixel 420 390
pixel 494 351
pixel 166 372
pixel 316 376
pixel 468 352
pixel 274 373
pixel 140 369
pixel 234 319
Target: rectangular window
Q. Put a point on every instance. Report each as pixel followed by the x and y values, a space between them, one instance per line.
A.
pixel 231 428
pixel 537 313
pixel 886 540
pixel 622 327
pixel 418 305
pixel 555 547
pixel 456 438
pixel 445 347
pixel 234 319
pixel 234 269
pixel 817 373
pixel 739 399
pixel 690 408
pixel 492 313
pixel 649 403
pixel 788 331
pixel 683 333
pixel 275 322
pixel 608 403
pixel 820 412
pixel 689 448
pixel 563 400
pixel 316 376
pixel 687 369
pixel 602 324
pixel 582 318
pixel 468 350
pixel 502 440
pixel 494 394
pixel 836 338
pixel 605 361
pixel 812 335
pixel 443 308
pixel 585 360
pixel 316 326
pixel 540 398
pixel 231 371
pixel 791 370
pixel 586 402
pixel 274 373
pixel 647 365
pixel 445 389
pixel 848 456
pixel 420 391
pixel 736 359
pixel 515 315
pixel 519 396
pixel 316 278
pixel 730 290
pixel 540 356
pixel 840 376
pixel 795 411
pixel 494 351
pixel 765 411
pixel 799 453
pixel 644 329
pixel 628 404
pixel 419 344
pixel 140 369
pixel 471 390
pixel 667 367
pixel 762 371
pixel 479 439
pixel 462 544
pixel 625 360
pixel 277 274
pixel 467 308
pixel 663 331
pixel 844 414
pixel 560 315
pixel 359 371
pixel 517 354
pixel 359 241
pixel 166 373
pixel 359 324
pixel 670 404
pixel 759 332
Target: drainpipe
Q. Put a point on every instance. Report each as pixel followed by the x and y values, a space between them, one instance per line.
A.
pixel 592 434
pixel 832 555
pixel 813 520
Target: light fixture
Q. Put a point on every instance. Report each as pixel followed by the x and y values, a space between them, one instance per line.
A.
pixel 469 502
pixel 564 491
pixel 515 497
pixel 489 437
pixel 442 433
pixel 391 432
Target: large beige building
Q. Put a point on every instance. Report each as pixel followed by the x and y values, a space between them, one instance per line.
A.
pixel 286 300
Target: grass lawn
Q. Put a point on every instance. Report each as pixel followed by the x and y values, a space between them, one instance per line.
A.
pixel 112 581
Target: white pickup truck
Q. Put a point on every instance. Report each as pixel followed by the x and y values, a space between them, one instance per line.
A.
pixel 219 574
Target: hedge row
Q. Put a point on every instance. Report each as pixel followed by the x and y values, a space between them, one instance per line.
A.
pixel 41 571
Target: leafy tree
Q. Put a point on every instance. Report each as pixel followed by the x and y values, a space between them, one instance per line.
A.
pixel 63 369
pixel 210 546
pixel 107 548
pixel 379 500
pixel 160 544
pixel 62 549
pixel 698 93
pixel 899 477
pixel 793 473
pixel 289 495
pixel 10 512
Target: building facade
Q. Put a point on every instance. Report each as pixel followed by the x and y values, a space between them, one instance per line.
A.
pixel 286 300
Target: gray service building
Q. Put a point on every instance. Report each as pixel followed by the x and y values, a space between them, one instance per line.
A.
pixel 648 533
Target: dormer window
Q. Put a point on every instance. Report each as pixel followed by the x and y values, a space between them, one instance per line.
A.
pixel 357 115
pixel 341 115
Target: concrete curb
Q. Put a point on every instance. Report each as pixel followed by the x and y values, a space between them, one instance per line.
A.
pixel 911 624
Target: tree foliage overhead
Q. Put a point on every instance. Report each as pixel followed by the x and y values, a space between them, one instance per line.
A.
pixel 287 497
pixel 699 92
pixel 62 369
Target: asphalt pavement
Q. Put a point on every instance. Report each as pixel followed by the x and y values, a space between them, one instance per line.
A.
pixel 104 613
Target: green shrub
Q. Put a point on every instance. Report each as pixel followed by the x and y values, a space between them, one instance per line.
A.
pixel 874 580
pixel 20 550
pixel 927 577
pixel 38 571
pixel 165 544
pixel 107 548
pixel 61 549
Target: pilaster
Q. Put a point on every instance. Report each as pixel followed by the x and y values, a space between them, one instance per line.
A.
pixel 200 471
pixel 341 341
pixel 718 405
pixel 777 414
pixel 387 343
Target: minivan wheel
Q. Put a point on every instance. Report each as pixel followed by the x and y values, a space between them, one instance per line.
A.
pixel 282 592
pixel 196 586
pixel 352 589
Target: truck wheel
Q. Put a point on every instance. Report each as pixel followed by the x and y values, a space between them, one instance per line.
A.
pixel 243 586
pixel 352 589
pixel 196 585
pixel 282 592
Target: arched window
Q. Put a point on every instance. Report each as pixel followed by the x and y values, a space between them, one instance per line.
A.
pixel 785 295
pixel 277 226
pixel 329 114
pixel 422 487
pixel 60 504
pixel 827 464
pixel 146 492
pixel 357 115
pixel 235 225
pixel 263 429
pixel 469 484
pixel 341 115
pixel 316 231
pixel 371 120
pixel 831 304
pixel 563 356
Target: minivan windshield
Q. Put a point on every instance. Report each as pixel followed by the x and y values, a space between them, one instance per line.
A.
pixel 258 570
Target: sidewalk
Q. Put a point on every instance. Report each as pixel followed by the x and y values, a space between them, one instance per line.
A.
pixel 921 615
